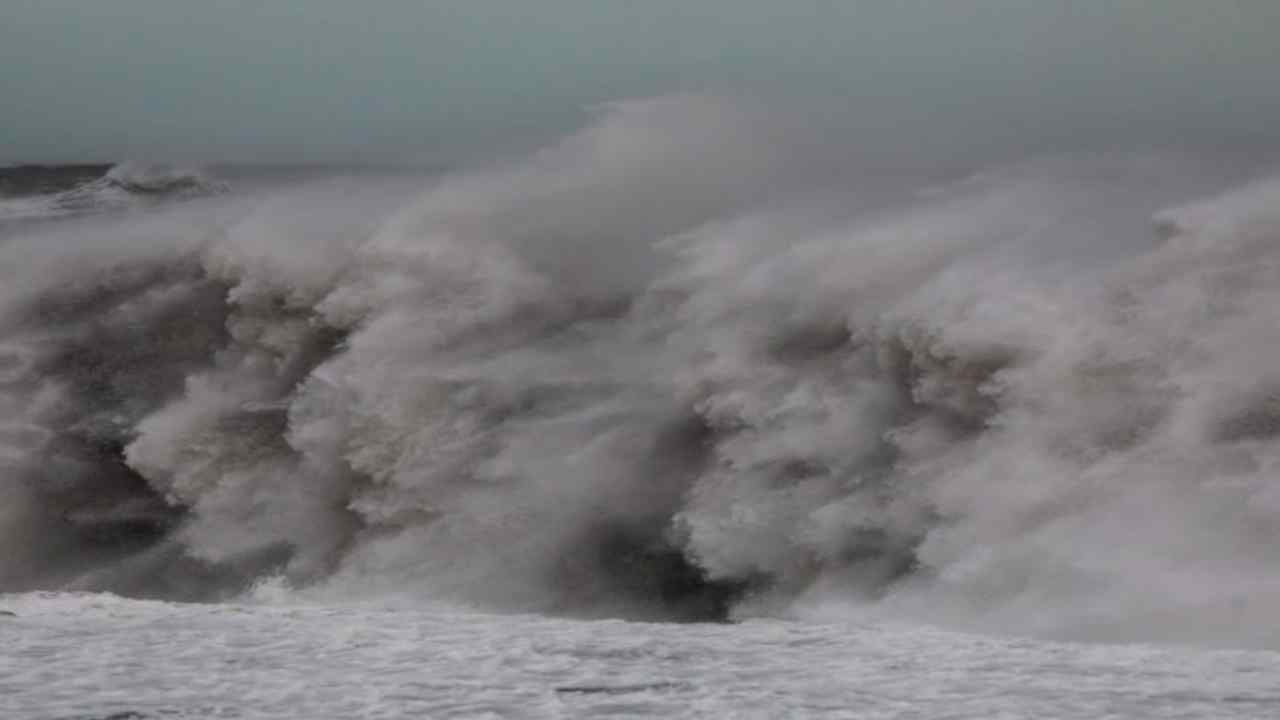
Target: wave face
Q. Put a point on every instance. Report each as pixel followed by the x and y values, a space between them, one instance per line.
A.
pixel 680 365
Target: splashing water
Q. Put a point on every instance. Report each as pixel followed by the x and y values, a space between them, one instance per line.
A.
pixel 672 367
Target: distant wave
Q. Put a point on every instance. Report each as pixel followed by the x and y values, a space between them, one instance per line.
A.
pixel 667 369
pixel 34 192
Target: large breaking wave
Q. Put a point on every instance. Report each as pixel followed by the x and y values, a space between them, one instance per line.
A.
pixel 677 366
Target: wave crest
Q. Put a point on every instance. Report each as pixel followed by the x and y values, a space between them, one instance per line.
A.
pixel 122 186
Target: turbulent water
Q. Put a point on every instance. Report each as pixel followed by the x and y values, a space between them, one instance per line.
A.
pixel 687 363
pixel 103 658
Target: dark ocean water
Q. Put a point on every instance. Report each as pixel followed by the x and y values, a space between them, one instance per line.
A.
pixel 26 180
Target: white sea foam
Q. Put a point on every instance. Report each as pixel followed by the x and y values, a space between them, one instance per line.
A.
pixel 98 656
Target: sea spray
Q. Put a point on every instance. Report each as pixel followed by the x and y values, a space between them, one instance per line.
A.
pixel 665 369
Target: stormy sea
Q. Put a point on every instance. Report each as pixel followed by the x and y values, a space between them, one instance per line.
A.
pixel 681 414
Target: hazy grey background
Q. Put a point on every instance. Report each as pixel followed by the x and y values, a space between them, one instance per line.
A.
pixel 335 80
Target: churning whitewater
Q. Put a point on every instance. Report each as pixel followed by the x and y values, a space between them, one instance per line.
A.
pixel 685 364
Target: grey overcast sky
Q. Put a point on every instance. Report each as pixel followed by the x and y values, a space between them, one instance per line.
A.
pixel 329 80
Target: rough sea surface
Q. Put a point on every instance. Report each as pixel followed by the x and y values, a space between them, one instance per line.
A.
pixel 99 656
pixel 691 413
